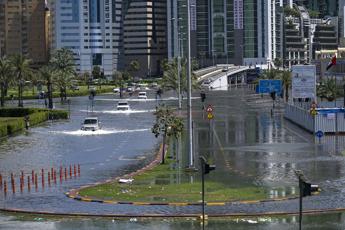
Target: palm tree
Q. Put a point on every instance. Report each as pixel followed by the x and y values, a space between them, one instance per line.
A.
pixel 63 64
pixel 47 74
pixel 22 71
pixel 327 89
pixel 170 77
pixel 133 67
pixel 5 78
pixel 167 124
pixel 286 79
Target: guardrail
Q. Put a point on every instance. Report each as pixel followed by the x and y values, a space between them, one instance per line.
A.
pixel 327 123
pixel 299 116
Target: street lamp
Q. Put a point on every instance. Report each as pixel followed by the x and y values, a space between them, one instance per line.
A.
pixel 178 66
pixel 189 94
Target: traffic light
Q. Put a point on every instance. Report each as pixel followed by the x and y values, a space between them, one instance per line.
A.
pixel 308 189
pixel 203 96
pixel 209 168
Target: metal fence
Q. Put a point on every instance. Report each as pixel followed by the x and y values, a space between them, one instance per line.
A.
pixel 299 116
pixel 327 123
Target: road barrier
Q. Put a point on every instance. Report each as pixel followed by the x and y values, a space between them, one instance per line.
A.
pixel 332 122
pixel 48 177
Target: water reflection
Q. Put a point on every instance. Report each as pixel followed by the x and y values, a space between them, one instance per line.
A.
pixel 324 221
pixel 264 149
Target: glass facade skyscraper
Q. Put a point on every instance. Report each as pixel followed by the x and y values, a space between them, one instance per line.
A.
pixel 91 29
pixel 145 35
pixel 236 31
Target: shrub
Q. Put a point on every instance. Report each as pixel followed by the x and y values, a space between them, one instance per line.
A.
pixel 39 117
pixel 14 118
pixel 3 129
pixel 15 125
pixel 57 114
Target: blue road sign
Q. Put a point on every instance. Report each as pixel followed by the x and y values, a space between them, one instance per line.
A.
pixel 269 86
pixel 319 134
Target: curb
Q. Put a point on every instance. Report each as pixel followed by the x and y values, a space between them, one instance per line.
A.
pixel 194 215
pixel 77 197
pixel 74 193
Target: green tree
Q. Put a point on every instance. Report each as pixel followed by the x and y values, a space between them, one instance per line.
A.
pixel 286 79
pixel 86 77
pixel 270 74
pixel 288 11
pixel 47 75
pixel 6 78
pixel 167 124
pixel 170 77
pixel 120 79
pixel 63 64
pixel 327 89
pixel 278 62
pixel 22 72
pixel 314 14
pixel 165 64
pixel 96 72
pixel 134 66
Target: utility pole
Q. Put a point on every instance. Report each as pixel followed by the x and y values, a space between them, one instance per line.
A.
pixel 179 73
pixel 189 94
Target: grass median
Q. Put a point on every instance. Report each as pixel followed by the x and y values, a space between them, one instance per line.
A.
pixel 160 185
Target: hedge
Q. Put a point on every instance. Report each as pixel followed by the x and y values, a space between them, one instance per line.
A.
pixel 3 130
pixel 21 112
pixel 15 126
pixel 70 93
pixel 16 123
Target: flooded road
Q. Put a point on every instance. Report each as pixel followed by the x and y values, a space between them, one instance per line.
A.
pixel 250 147
pixel 317 222
pixel 123 143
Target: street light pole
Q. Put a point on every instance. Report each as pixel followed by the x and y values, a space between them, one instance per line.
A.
pixel 179 73
pixel 189 94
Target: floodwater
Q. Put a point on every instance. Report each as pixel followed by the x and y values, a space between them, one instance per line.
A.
pixel 325 221
pixel 249 145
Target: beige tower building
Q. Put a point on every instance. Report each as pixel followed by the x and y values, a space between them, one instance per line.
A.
pixel 144 35
pixel 24 29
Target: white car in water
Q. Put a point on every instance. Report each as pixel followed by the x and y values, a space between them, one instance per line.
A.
pixel 142 95
pixel 122 105
pixel 91 124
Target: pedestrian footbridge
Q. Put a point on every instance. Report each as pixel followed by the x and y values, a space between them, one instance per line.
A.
pixel 222 76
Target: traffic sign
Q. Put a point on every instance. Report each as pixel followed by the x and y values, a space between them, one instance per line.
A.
pixel 210 116
pixel 319 134
pixel 209 109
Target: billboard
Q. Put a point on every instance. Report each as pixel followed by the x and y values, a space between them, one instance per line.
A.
pixel 269 86
pixel 303 81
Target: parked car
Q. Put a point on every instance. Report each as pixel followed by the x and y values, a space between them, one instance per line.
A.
pixel 116 90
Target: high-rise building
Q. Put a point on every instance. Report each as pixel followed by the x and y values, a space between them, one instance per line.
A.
pixel 23 29
pixel 231 31
pixel 341 15
pixel 323 7
pixel 91 29
pixel 145 35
